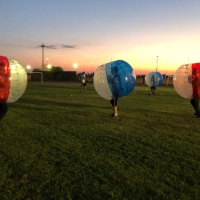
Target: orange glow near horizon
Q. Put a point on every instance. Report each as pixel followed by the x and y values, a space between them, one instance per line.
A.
pixel 171 55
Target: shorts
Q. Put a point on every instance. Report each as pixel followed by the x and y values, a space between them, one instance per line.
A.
pixel 83 84
pixel 114 102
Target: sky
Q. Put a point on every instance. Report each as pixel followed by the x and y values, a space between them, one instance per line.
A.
pixel 148 34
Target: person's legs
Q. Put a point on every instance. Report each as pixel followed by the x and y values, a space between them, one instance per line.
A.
pixel 197 108
pixel 115 111
pixel 84 86
pixel 3 110
pixel 114 104
pixel 197 104
pixel 193 103
pixel 152 90
pixel 81 88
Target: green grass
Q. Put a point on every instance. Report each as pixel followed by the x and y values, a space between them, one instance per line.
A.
pixel 58 143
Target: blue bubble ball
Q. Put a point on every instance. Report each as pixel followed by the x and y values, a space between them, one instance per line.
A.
pixel 114 79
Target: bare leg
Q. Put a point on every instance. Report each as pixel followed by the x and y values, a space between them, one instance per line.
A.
pixel 115 111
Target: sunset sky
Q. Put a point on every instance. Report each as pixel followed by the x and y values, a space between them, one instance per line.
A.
pixel 94 32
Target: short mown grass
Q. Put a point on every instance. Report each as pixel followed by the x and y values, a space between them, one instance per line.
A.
pixel 58 143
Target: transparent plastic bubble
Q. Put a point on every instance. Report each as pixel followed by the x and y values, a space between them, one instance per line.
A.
pixel 13 80
pixel 153 79
pixel 114 79
pixel 186 81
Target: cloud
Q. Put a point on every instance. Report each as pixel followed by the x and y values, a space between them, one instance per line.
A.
pixel 50 47
pixel 68 46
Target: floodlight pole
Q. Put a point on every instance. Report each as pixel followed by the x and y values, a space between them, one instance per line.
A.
pixel 157 64
pixel 43 55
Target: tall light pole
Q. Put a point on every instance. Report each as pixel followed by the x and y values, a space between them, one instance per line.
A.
pixel 42 55
pixel 157 64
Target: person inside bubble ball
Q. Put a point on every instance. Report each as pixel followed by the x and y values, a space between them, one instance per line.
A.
pixel 115 82
pixel 196 91
pixel 83 82
pixel 153 87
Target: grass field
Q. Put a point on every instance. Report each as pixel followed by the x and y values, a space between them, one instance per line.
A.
pixel 58 143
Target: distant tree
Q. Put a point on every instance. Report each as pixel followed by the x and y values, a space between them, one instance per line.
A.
pixel 37 70
pixel 56 69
